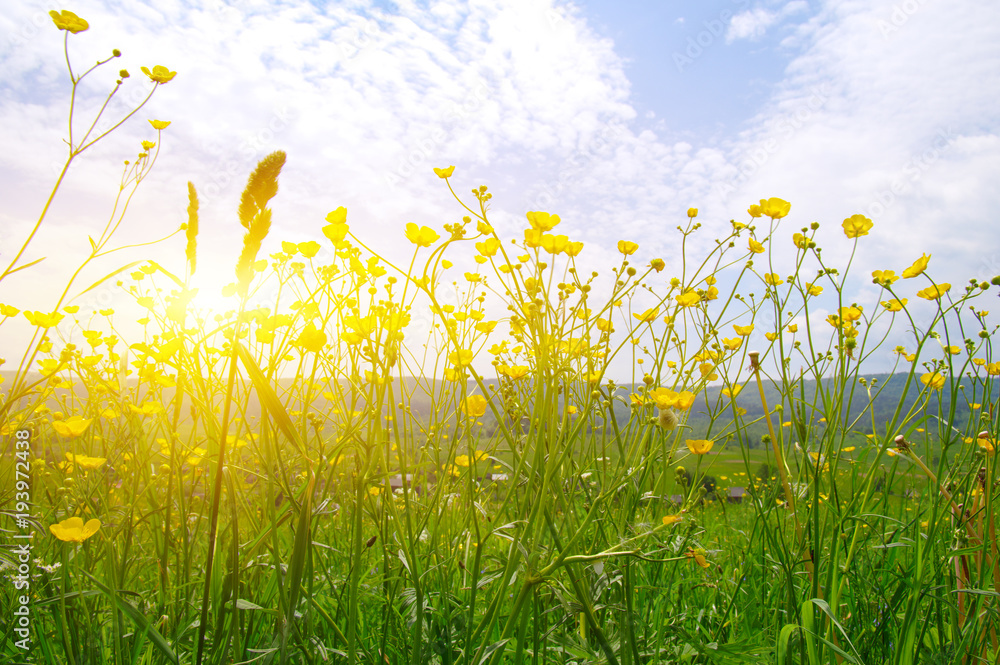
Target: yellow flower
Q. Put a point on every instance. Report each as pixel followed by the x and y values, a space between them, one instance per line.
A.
pixel 423 236
pixel 85 462
pixel 533 238
pixel 488 247
pixel 733 344
pixel 71 427
pixel 311 339
pixel 953 350
pixel 813 289
pixel 688 299
pixel 474 405
pixel 464 460
pixel 692 212
pixel 793 328
pixel 918 267
pixel 800 241
pixel 732 392
pixel 627 247
pixel 670 519
pixel 648 316
pixel 894 305
pixel 159 124
pixel 884 277
pixel 771 336
pixel 856 226
pixel 708 371
pixel 146 408
pixel 67 20
pixel 756 247
pixel 934 292
pixel 934 380
pixel 850 313
pixel 444 173
pixel 160 74
pixel 986 443
pixel 775 208
pixel 699 446
pixel 699 557
pixel 308 249
pixel 460 358
pixel 772 279
pixel 554 244
pixel 516 372
pixel 73 530
pixel 43 320
pixel 574 248
pixel 542 221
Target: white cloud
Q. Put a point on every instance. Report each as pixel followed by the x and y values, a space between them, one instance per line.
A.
pixel 524 97
pixel 753 23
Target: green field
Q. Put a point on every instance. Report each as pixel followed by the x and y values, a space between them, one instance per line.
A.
pixel 222 487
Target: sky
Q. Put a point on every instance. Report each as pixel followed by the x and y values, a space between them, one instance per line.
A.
pixel 616 115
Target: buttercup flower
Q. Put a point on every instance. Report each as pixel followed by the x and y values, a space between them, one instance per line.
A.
pixel 67 20
pixel 648 316
pixel 71 427
pixel 423 236
pixel 775 208
pixel 73 530
pixel 159 124
pixel 918 267
pixel 160 74
pixel 856 226
pixel 933 380
pixel 85 462
pixel 692 212
pixel 743 331
pixel 699 446
pixel 934 292
pixel 627 247
pixel 894 305
pixel 699 557
pixel 474 405
pixel 688 299
pixel 444 173
pixel 756 247
pixel 884 277
pixel 542 221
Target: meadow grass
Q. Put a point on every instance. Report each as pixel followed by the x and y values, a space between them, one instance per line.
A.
pixel 234 472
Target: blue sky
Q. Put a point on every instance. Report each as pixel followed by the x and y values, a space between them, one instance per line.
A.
pixel 617 116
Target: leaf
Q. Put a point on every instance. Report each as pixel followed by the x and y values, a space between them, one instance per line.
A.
pixel 26 265
pixel 269 399
pixel 139 619
pixel 242 604
pixel 111 274
pixel 491 648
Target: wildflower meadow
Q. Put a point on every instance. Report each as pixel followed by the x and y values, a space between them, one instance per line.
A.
pixel 318 479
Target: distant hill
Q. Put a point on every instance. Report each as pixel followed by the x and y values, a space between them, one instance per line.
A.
pixel 888 390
